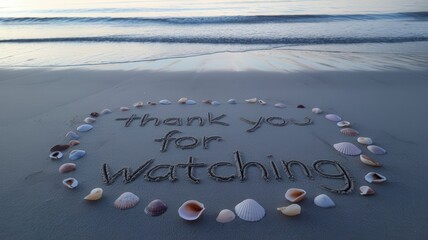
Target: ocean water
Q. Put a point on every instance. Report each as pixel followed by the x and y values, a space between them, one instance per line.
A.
pixel 95 32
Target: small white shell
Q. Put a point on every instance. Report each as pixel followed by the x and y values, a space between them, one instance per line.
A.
pixel 164 102
pixel 89 120
pixel 231 101
pixel 333 117
pixel 94 195
pixel 251 100
pixel 291 211
pixel 279 105
pixel 349 132
pixel 55 155
pixel 317 110
pixel 376 149
pixel 76 154
pixel 67 167
pixel 126 200
pixel 347 148
pixel 262 102
pixel 191 210
pixel 182 100
pixel 373 177
pixel 250 210
pixel 139 104
pixel 343 124
pixel 124 109
pixel 324 201
pixel 368 161
pixel 70 183
pixel 366 191
pixel 106 111
pixel 84 127
pixel 225 216
pixel 215 103
pixel 72 135
pixel 295 194
pixel 365 140
pixel 190 102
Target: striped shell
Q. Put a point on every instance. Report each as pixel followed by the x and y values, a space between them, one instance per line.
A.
pixel 347 148
pixel 225 216
pixel 373 177
pixel 365 140
pixel 250 210
pixel 155 208
pixel 368 161
pixel 126 200
pixel 349 132
pixel 333 117
pixel 376 149
pixel 67 167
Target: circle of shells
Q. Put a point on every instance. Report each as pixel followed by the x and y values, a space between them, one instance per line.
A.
pixel 247 210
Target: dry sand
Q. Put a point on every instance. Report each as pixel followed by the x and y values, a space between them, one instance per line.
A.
pixel 39 106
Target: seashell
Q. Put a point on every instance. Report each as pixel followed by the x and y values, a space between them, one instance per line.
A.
pixel 279 105
pixel 55 155
pixel 365 140
pixel 251 100
pixel 155 208
pixel 94 195
pixel 94 114
pixel 368 161
pixel 72 135
pixel 373 177
pixel 126 200
pixel 376 149
pixel 190 102
pixel 291 211
pixel 215 103
pixel 124 109
pixel 262 102
pixel 84 128
pixel 164 102
pixel 366 191
pixel 225 216
pixel 295 194
pixel 59 148
pixel 67 167
pixel 343 124
pixel 301 106
pixel 76 154
pixel 324 201
pixel 191 210
pixel 70 183
pixel 347 148
pixel 207 101
pixel 250 210
pixel 139 104
pixel 73 143
pixel 151 103
pixel 317 110
pixel 89 120
pixel 349 132
pixel 182 100
pixel 106 111
pixel 232 101
pixel 333 117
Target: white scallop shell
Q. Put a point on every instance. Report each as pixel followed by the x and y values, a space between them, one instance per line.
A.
pixel 317 110
pixel 124 109
pixel 94 195
pixel 279 105
pixel 366 191
pixel 89 120
pixel 295 194
pixel 349 132
pixel 84 127
pixel 191 210
pixel 333 117
pixel 55 155
pixel 139 104
pixel 373 177
pixel 72 135
pixel 70 183
pixel 76 154
pixel 368 161
pixel 67 167
pixel 251 100
pixel 225 216
pixel 182 100
pixel 376 149
pixel 365 140
pixel 106 111
pixel 164 102
pixel 126 200
pixel 343 124
pixel 347 148
pixel 324 201
pixel 250 210
pixel 231 101
pixel 291 211
pixel 215 103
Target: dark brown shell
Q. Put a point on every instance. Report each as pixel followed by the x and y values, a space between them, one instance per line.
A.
pixel 156 208
pixel 94 114
pixel 59 148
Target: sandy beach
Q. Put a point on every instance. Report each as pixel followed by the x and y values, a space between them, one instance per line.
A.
pixel 39 106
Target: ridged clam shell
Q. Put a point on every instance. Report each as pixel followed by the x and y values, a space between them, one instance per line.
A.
pixel 333 117
pixel 368 161
pixel 373 177
pixel 164 102
pixel 190 102
pixel 124 109
pixel 225 216
pixel 55 155
pixel 94 114
pixel 156 208
pixel 262 102
pixel 73 143
pixel 292 210
pixel 106 111
pixel 349 132
pixel 72 135
pixel 67 167
pixel 365 140
pixel 126 200
pixel 279 105
pixel 89 120
pixel 347 148
pixel 376 149
pixel 215 103
pixel 59 148
pixel 317 110
pixel 324 201
pixel 139 104
pixel 94 195
pixel 343 124
pixel 70 183
pixel 182 100
pixel 232 101
pixel 250 210
pixel 76 154
pixel 251 100
pixel 84 127
pixel 366 191
pixel 295 194
pixel 191 210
